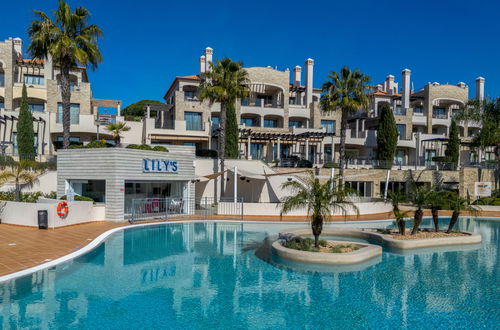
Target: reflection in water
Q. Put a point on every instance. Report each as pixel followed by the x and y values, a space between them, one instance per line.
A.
pixel 220 275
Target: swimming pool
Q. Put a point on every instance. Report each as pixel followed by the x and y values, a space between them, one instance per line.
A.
pixel 217 275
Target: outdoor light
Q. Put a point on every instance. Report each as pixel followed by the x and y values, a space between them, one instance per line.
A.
pixel 289 179
pixel 248 180
pixel 242 178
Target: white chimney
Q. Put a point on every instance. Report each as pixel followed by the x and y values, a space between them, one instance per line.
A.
pixel 405 97
pixel 203 65
pixel 208 58
pixel 480 88
pixel 309 81
pixel 389 84
pixel 297 72
pixel 18 46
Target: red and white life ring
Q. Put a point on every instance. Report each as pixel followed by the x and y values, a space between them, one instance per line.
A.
pixel 62 209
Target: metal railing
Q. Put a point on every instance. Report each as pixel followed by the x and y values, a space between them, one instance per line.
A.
pixel 178 208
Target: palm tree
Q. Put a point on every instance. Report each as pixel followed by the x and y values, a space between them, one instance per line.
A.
pixel 419 196
pixel 70 41
pixel 346 91
pixel 459 204
pixel 23 173
pixel 396 198
pixel 438 200
pixel 224 83
pixel 320 200
pixel 116 130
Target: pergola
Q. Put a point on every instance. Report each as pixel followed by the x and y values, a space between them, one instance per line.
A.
pixel 8 140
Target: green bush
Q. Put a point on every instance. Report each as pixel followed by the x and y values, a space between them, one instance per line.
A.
pixel 6 161
pixel 304 163
pixel 97 144
pixel 301 244
pixel 330 165
pixel 488 201
pixel 323 242
pixel 30 197
pixel 79 198
pixel 160 148
pixel 207 153
pixel 338 248
pixel 139 147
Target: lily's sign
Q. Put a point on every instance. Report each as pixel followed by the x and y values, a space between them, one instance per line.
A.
pixel 159 165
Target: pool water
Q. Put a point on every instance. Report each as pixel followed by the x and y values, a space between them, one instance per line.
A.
pixel 219 275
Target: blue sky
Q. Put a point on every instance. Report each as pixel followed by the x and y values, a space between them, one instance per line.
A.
pixel 147 43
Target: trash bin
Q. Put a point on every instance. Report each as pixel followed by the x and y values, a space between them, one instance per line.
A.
pixel 43 219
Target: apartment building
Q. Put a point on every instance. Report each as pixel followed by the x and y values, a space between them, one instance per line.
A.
pixel 281 120
pixel 44 100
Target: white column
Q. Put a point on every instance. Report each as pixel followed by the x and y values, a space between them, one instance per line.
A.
pixel 307 148
pixel 235 184
pixel 333 149
pixel 249 142
pixel 278 149
pixel 148 112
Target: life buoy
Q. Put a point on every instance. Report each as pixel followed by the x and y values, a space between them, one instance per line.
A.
pixel 62 209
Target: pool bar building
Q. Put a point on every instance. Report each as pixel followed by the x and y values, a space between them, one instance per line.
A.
pixel 118 176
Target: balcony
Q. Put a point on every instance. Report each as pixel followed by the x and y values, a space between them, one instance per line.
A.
pixel 439 116
pixel 399 111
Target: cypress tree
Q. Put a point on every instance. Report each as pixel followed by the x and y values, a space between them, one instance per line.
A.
pixel 387 137
pixel 231 132
pixel 452 152
pixel 25 133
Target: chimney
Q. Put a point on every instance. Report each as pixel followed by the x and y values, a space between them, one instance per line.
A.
pixel 208 58
pixel 18 46
pixel 203 65
pixel 389 84
pixel 405 97
pixel 309 81
pixel 297 72
pixel 480 88
pixel 461 84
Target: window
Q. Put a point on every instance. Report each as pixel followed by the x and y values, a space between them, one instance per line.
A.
pixel 71 139
pixel 215 120
pixel 418 110
pixel 429 155
pixel 30 79
pixel 270 123
pixel 36 107
pixel 248 122
pixel 294 123
pixel 2 105
pixel 361 188
pixel 400 157
pixel 402 131
pixel 399 110
pixel 191 96
pixel 2 79
pixel 193 144
pixel 393 186
pixel 328 153
pixel 292 100
pixel 74 113
pixel 328 125
pixel 439 113
pixel 193 121
pixel 256 150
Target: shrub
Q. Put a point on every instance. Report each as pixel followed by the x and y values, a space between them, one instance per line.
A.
pixel 330 165
pixel 301 244
pixel 338 248
pixel 208 153
pixel 6 161
pixel 304 163
pixel 79 198
pixel 323 242
pixel 487 201
pixel 160 148
pixel 139 147
pixel 97 144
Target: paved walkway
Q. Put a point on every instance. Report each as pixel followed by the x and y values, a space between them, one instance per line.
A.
pixel 25 247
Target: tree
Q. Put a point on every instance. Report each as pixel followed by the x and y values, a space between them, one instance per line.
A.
pixel 25 133
pixel 459 204
pixel 387 137
pixel 419 196
pixel 396 198
pixel 452 151
pixel 320 200
pixel 136 109
pixel 24 175
pixel 224 83
pixel 70 41
pixel 116 129
pixel 345 92
pixel 232 133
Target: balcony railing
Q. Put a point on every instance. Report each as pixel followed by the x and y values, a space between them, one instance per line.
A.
pixel 191 98
pixel 400 112
pixel 439 116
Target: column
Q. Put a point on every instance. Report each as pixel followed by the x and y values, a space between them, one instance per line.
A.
pixel 278 149
pixel 249 142
pixel 307 148
pixel 261 121
pixel 357 127
pixel 333 149
pixel 322 149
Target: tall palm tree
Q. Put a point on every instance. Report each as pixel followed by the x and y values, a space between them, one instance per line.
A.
pixel 116 129
pixel 70 41
pixel 24 175
pixel 346 91
pixel 438 200
pixel 320 200
pixel 459 204
pixel 396 198
pixel 224 83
